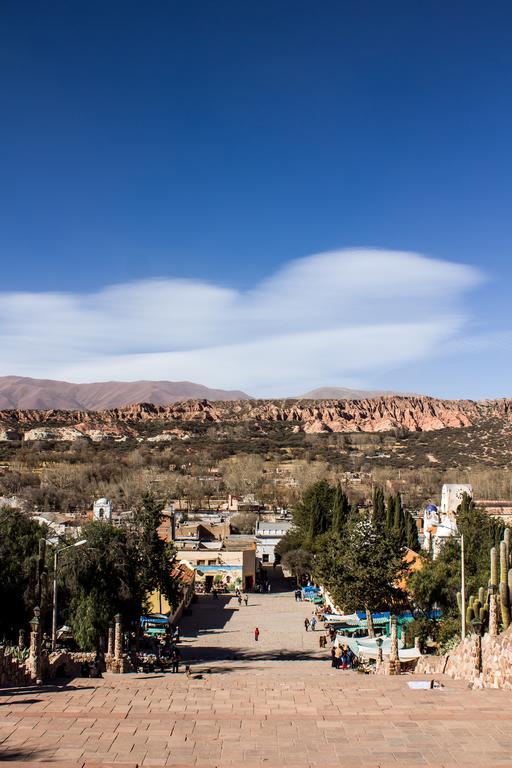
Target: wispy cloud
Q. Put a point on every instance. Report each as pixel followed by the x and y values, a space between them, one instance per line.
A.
pixel 337 317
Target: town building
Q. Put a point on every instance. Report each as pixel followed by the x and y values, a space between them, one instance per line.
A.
pixel 440 523
pixel 268 536
pixel 102 510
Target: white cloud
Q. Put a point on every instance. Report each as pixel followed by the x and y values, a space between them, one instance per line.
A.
pixel 337 317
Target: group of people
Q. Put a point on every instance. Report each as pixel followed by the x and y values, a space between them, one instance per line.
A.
pixel 241 597
pixel 342 657
pixel 310 624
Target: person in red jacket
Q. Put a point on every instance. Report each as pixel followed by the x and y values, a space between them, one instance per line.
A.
pixel 256 634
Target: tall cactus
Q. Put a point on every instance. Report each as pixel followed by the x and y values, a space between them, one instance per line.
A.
pixel 470 615
pixel 503 562
pixel 504 592
pixel 459 601
pixel 506 539
pixel 494 571
pixel 481 595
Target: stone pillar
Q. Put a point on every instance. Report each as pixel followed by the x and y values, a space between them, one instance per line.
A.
pixel 111 642
pixel 34 658
pixel 393 665
pixel 493 616
pixel 118 638
pixel 21 640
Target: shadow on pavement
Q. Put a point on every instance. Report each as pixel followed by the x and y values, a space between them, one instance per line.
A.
pixel 212 653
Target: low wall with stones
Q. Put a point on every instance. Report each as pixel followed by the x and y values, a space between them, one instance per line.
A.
pixel 463 663
pixel 13 671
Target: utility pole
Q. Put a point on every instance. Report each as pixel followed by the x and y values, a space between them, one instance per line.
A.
pixel 54 610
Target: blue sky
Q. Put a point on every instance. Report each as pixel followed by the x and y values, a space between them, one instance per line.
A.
pixel 155 150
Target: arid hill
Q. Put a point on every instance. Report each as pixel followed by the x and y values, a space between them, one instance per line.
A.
pixel 22 392
pixel 381 414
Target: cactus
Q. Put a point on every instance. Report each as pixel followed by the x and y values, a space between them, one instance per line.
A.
pixel 504 604
pixel 459 602
pixel 503 561
pixel 481 595
pixel 484 614
pixel 476 607
pixel 471 600
pixel 494 570
pixel 506 539
pixel 470 615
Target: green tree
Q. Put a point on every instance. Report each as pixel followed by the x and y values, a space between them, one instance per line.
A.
pixel 399 521
pixel 379 509
pixel 154 555
pixel 299 562
pixel 341 510
pixel 390 513
pixel 362 568
pixel 313 514
pixel 99 580
pixel 19 556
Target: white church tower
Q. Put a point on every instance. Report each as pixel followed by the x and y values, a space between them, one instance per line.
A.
pixel 102 510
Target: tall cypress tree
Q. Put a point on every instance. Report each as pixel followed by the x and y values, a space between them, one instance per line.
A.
pixel 411 532
pixel 399 521
pixel 340 511
pixel 379 509
pixel 390 513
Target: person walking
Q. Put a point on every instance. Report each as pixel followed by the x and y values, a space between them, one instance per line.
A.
pixel 175 661
pixel 268 587
pixel 313 624
pixel 306 623
pixel 246 599
pixel 337 656
pixel 256 634
pixel 239 599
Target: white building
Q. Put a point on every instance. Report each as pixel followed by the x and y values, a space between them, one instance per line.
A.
pixel 440 523
pixel 102 510
pixel 451 497
pixel 268 536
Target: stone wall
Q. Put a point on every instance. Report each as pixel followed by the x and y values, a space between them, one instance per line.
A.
pixel 13 670
pixel 462 662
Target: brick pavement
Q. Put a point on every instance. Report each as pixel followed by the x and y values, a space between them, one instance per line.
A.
pixel 251 704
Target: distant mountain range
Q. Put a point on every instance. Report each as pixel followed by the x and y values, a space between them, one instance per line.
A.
pixel 342 393
pixel 18 392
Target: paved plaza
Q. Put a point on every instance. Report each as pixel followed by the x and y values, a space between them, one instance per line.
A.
pixel 272 703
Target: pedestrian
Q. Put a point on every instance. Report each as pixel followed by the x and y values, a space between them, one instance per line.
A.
pixel 297 595
pixel 239 599
pixel 246 599
pixel 268 587
pixel 256 634
pixel 306 623
pixel 333 657
pixel 313 624
pixel 175 661
pixel 337 655
pixel 322 641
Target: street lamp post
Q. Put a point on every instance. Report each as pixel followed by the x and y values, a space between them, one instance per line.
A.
pixel 54 608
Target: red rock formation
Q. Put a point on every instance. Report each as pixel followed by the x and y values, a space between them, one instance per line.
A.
pixel 379 414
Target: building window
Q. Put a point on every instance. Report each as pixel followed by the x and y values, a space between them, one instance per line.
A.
pixel 265 558
pixel 201 562
pixel 211 562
